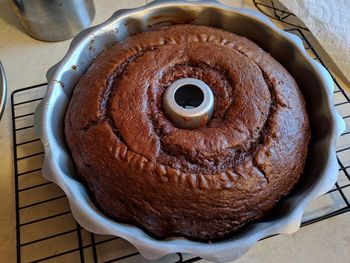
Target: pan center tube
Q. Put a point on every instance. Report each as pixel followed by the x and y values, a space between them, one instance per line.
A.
pixel 188 103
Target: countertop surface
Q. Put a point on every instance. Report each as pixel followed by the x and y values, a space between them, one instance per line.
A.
pixel 26 61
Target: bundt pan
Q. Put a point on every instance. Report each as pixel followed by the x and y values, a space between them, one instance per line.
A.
pixel 316 84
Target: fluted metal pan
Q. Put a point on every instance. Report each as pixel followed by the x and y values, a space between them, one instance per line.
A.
pixel 314 81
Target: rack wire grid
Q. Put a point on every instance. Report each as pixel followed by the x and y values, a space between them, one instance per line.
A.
pixel 46 229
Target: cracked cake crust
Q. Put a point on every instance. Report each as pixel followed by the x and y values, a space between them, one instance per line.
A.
pixel 202 184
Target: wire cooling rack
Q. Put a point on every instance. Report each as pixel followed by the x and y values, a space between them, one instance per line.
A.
pixel 46 230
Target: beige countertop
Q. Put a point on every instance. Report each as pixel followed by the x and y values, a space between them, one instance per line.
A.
pixel 26 61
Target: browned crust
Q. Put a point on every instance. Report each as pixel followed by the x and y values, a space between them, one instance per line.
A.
pixel 205 183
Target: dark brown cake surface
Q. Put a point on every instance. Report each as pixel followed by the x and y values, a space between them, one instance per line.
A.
pixel 204 183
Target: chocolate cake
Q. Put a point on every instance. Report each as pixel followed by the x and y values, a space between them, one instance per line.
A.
pixel 203 183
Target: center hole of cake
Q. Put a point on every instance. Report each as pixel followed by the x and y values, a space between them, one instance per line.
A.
pixel 189 96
